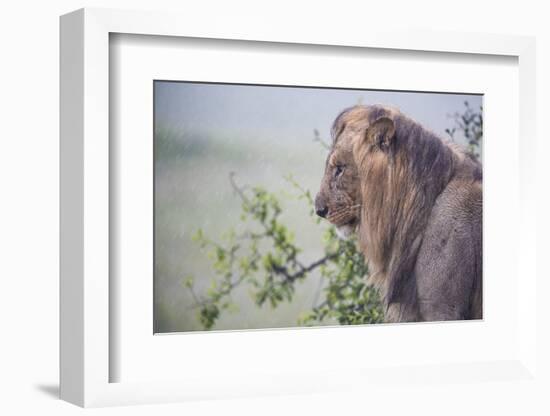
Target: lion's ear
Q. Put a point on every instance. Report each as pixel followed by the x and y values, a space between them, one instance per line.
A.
pixel 381 132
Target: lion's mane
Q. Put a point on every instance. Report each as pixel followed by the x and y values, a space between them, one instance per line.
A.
pixel 399 188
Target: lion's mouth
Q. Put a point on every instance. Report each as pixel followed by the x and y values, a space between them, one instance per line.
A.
pixel 344 231
pixel 345 220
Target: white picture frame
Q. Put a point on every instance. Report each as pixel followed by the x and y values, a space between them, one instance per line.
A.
pixel 85 354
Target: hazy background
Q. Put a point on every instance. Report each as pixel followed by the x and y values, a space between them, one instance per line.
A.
pixel 205 131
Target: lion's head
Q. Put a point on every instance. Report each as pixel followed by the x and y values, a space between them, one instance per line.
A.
pixel 359 133
pixel 383 174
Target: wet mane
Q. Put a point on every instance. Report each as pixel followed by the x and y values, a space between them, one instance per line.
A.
pixel 399 187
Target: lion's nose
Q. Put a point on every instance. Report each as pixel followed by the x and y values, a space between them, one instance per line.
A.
pixel 321 208
pixel 322 212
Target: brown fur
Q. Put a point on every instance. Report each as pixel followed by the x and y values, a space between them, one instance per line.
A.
pixel 415 202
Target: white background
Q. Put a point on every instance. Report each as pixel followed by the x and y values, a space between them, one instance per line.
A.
pixel 29 209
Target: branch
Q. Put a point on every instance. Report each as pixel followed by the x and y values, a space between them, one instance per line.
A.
pixel 317 138
pixel 237 188
pixel 291 277
pixel 304 193
pixel 226 291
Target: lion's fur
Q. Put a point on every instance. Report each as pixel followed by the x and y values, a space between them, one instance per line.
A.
pixel 398 188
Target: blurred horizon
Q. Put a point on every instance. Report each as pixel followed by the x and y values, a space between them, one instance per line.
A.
pixel 287 112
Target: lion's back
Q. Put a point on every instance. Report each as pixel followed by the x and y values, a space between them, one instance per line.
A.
pixel 449 263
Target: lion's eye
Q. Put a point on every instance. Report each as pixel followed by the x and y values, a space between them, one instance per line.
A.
pixel 339 170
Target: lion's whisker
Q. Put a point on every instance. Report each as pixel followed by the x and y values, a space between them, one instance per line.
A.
pixel 347 208
pixel 339 211
pixel 336 215
pixel 342 212
pixel 335 218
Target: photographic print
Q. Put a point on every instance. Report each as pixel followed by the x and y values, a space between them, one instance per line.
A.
pixel 288 206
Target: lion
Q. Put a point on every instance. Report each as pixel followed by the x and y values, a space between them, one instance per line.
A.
pixel 414 201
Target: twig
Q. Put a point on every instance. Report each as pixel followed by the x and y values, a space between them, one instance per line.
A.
pixel 237 188
pixel 317 138
pixel 318 291
pixel 291 277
